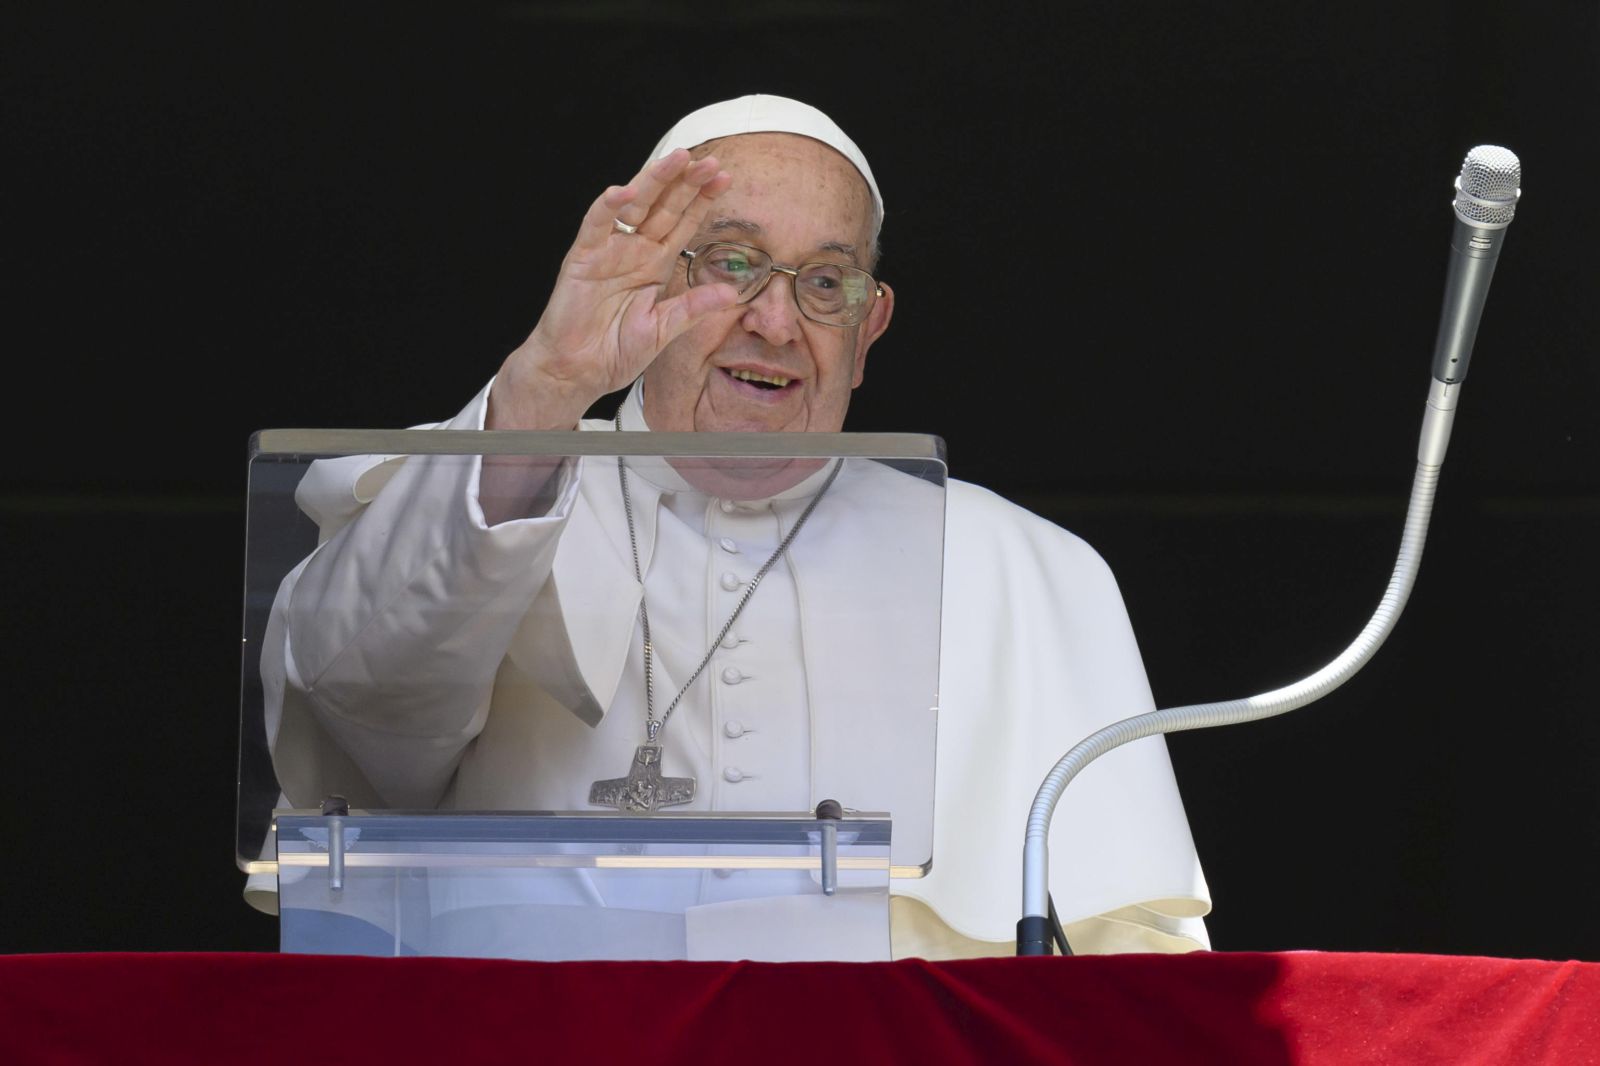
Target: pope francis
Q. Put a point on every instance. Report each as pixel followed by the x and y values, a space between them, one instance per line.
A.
pixel 731 284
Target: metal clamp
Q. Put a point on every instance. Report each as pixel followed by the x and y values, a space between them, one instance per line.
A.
pixel 335 809
pixel 828 814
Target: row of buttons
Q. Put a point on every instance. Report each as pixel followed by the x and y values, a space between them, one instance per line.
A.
pixel 733 730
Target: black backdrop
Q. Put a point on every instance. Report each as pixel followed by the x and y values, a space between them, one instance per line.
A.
pixel 1168 274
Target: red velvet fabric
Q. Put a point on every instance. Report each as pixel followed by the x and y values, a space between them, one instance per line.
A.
pixel 1298 1007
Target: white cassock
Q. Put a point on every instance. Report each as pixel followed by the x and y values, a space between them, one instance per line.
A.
pixel 513 707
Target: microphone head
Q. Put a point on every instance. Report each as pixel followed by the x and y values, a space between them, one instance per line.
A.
pixel 1488 188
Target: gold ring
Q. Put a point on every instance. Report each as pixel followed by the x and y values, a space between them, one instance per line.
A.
pixel 622 227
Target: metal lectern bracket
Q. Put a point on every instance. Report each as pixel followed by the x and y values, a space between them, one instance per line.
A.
pixel 828 814
pixel 335 809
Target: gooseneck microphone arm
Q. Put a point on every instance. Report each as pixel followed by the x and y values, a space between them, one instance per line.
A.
pixel 1487 192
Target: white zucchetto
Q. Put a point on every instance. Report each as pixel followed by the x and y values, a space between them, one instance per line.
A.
pixel 760 113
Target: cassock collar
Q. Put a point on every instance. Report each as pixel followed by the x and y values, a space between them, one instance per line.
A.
pixel 660 474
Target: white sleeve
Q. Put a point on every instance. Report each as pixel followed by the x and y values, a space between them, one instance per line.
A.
pixel 393 630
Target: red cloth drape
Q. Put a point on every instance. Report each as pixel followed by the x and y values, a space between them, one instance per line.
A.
pixel 1296 1007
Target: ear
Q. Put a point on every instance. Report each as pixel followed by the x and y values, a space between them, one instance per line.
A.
pixel 877 321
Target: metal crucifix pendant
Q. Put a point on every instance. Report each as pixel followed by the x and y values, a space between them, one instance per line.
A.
pixel 644 789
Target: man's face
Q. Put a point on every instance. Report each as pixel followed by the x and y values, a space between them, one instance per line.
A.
pixel 799 201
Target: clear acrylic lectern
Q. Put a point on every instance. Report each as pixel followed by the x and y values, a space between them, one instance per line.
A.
pixel 448 694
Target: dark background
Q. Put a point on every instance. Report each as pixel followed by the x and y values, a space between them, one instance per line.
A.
pixel 1168 274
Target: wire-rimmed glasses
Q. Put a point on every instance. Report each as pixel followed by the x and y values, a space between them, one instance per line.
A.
pixel 832 294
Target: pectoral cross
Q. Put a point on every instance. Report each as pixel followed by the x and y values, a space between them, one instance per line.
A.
pixel 644 789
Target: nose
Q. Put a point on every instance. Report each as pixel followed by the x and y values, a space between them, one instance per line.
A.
pixel 773 314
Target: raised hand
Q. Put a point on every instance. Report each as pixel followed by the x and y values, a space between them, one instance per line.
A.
pixel 607 318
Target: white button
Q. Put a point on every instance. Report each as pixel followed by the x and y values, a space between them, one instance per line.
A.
pixel 735 730
pixel 732 676
pixel 731 640
pixel 728 506
pixel 733 775
pixel 729 545
pixel 730 581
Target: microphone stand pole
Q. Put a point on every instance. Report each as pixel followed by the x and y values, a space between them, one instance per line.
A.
pixel 1034 930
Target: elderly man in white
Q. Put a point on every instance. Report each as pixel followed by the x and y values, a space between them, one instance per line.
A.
pixel 730 283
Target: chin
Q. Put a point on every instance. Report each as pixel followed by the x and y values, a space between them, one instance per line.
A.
pixel 750 425
pixel 749 421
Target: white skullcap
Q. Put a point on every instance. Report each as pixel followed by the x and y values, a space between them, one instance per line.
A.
pixel 766 114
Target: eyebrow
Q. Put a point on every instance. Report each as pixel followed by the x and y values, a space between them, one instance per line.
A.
pixel 753 229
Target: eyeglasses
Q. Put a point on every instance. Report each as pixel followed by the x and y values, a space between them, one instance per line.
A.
pixel 831 294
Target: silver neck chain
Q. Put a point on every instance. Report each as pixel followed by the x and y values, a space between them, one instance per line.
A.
pixel 652 727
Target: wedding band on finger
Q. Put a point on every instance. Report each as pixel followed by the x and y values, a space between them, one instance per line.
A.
pixel 622 227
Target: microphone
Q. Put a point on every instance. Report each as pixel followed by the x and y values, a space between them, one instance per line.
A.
pixel 1486 199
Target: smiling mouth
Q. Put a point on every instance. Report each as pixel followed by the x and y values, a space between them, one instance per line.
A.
pixel 767 382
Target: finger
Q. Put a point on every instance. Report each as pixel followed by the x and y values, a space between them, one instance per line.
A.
pixel 694 215
pixel 676 315
pixel 598 220
pixel 651 182
pixel 677 197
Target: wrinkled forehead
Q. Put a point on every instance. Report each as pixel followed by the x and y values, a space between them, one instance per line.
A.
pixel 795 159
pixel 768 114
